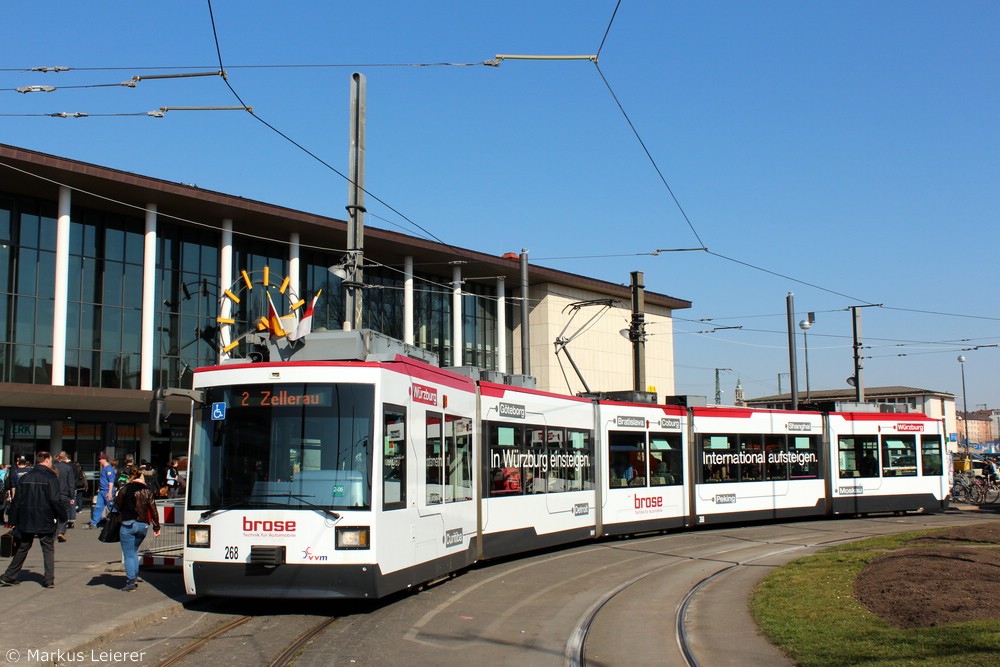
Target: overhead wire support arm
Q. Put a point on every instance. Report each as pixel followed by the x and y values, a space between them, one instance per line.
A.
pixel 183 75
pixel 500 57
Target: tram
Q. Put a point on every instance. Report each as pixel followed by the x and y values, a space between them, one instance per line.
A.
pixel 350 467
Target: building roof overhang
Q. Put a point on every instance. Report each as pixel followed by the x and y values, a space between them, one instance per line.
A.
pixel 40 175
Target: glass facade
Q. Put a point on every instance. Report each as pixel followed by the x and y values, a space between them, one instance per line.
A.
pixel 105 304
pixel 27 289
pixel 104 309
pixel 187 301
pixel 432 320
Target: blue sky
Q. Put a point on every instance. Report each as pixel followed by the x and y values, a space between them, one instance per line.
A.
pixel 847 150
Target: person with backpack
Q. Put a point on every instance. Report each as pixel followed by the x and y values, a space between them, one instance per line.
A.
pixel 122 478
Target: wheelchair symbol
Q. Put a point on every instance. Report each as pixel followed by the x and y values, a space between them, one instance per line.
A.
pixel 218 411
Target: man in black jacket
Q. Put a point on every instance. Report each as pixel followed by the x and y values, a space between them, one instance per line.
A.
pixel 67 491
pixel 34 513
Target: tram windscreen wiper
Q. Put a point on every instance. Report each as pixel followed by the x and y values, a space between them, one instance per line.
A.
pixel 211 511
pixel 301 498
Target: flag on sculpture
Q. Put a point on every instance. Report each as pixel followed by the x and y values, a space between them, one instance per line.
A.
pixel 273 319
pixel 306 321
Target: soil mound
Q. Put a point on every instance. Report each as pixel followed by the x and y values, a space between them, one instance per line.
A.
pixel 949 577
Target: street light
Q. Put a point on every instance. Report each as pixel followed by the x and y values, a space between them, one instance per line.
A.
pixel 805 326
pixel 965 404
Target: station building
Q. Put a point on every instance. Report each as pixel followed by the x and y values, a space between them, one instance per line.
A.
pixel 115 284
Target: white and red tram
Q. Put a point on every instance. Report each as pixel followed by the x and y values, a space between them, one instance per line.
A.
pixel 358 478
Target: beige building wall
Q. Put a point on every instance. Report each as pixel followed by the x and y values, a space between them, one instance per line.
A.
pixel 602 354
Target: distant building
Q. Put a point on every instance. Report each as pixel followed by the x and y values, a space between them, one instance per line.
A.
pixel 981 426
pixel 934 404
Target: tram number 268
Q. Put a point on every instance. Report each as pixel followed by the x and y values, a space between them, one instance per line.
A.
pixel 232 553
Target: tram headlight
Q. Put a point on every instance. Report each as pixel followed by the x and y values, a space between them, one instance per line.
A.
pixel 353 537
pixel 199 536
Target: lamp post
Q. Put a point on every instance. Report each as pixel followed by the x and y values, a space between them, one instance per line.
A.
pixel 965 404
pixel 805 325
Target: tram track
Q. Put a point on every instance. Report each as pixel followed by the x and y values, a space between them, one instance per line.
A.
pixel 576 646
pixel 202 641
pixel 285 657
pixel 292 651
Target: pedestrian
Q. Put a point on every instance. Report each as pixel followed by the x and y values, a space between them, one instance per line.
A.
pixel 104 500
pixel 173 479
pixel 150 477
pixel 137 505
pixel 34 513
pixel 67 491
pixel 81 490
pixel 990 471
pixel 10 481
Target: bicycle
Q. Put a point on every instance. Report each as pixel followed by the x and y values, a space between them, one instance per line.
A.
pixel 987 490
pixel 962 490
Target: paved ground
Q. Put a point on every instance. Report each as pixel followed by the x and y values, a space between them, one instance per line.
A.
pixel 86 603
pixel 51 625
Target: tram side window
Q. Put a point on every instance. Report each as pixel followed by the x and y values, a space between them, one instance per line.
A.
pixel 394 457
pixel 803 457
pixel 458 460
pixel 575 460
pixel 751 458
pixel 719 458
pixel 504 446
pixel 535 473
pixel 435 460
pixel 899 455
pixel 553 475
pixel 858 456
pixel 930 455
pixel 775 457
pixel 627 460
pixel 666 461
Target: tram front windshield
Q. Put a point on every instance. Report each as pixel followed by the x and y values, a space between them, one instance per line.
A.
pixel 282 445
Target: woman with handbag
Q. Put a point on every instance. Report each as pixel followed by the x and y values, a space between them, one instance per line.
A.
pixel 137 505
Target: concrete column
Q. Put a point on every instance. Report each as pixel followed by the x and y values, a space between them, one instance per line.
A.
pixel 501 325
pixel 56 437
pixel 149 309
pixel 145 444
pixel 294 279
pixel 62 288
pixel 456 317
pixel 408 300
pixel 225 281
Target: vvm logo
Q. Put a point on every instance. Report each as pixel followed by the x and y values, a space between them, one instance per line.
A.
pixel 308 555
